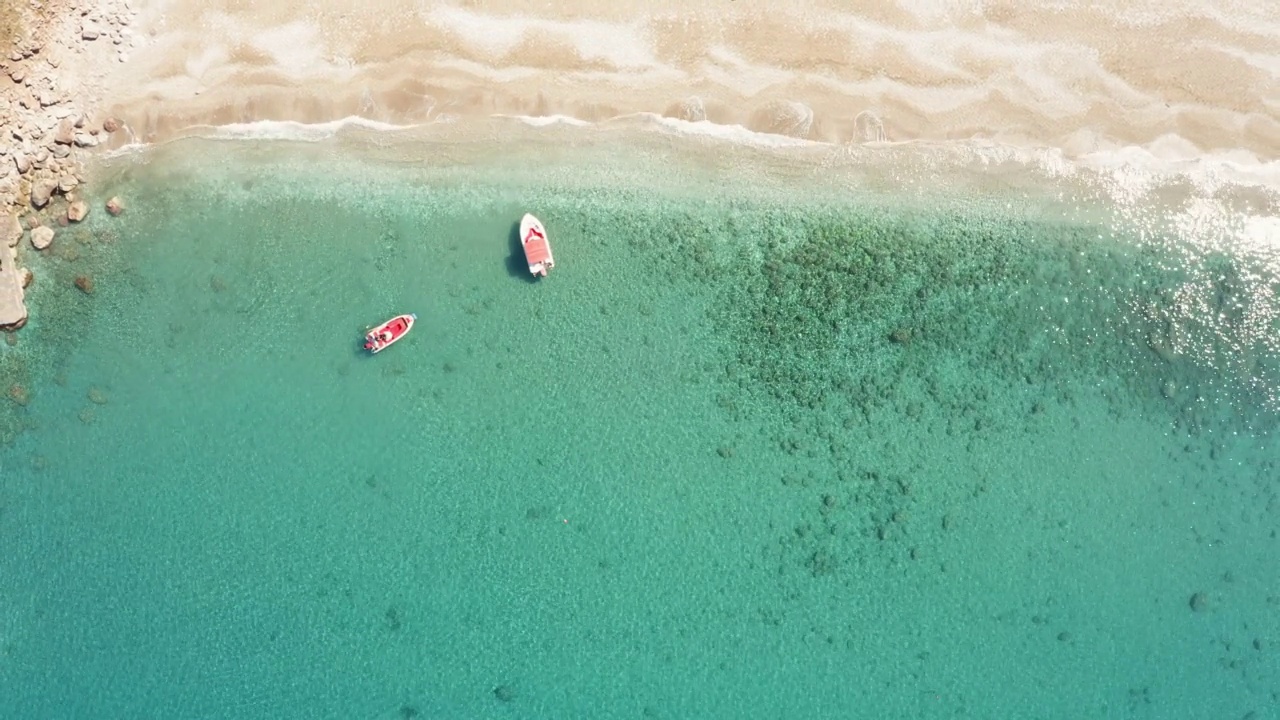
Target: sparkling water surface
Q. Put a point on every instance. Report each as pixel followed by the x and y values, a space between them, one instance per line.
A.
pixel 752 449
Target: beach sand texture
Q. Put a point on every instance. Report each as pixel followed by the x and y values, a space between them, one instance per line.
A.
pixel 1180 78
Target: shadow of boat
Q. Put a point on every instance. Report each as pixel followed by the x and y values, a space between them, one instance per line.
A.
pixel 517 266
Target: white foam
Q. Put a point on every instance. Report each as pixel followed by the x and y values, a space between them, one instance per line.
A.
pixel 133 148
pixel 545 120
pixel 1130 172
pixel 295 131
pixel 730 133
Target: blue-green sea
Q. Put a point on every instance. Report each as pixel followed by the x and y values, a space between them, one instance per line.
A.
pixel 785 434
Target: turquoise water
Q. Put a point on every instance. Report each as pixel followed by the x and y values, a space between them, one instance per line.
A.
pixel 753 449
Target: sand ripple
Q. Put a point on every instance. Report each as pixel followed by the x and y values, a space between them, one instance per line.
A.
pixel 1179 77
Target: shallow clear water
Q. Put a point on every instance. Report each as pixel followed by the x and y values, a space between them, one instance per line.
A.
pixel 748 452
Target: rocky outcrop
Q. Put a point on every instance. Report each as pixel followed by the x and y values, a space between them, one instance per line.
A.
pixel 48 81
pixel 13 309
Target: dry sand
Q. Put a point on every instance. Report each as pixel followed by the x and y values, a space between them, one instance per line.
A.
pixel 1186 76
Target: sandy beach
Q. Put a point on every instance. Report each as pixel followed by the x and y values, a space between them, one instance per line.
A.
pixel 1085 82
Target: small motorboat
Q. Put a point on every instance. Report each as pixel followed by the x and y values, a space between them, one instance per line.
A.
pixel 537 251
pixel 382 336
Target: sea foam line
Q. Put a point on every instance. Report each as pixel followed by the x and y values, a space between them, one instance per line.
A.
pixel 1135 167
pixel 296 131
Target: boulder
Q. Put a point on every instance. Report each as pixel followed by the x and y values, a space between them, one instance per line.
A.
pixel 65 134
pixel 77 210
pixel 13 311
pixel 41 191
pixel 114 206
pixel 110 125
pixel 41 237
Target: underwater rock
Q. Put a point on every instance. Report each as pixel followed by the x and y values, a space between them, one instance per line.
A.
pixel 110 125
pixel 85 283
pixel 1199 602
pixel 505 693
pixel 97 397
pixel 114 206
pixel 19 394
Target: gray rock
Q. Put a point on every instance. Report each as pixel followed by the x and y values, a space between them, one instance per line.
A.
pixel 10 232
pixel 67 183
pixel 41 191
pixel 66 133
pixel 41 237
pixel 13 311
pixel 22 162
pixel 89 32
pixel 85 140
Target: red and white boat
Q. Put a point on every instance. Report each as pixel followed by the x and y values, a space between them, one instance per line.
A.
pixel 537 251
pixel 386 334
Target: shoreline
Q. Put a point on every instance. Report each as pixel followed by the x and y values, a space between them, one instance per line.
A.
pixel 104 75
pixel 816 69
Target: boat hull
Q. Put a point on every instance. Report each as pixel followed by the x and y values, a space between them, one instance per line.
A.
pixel 388 333
pixel 537 248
